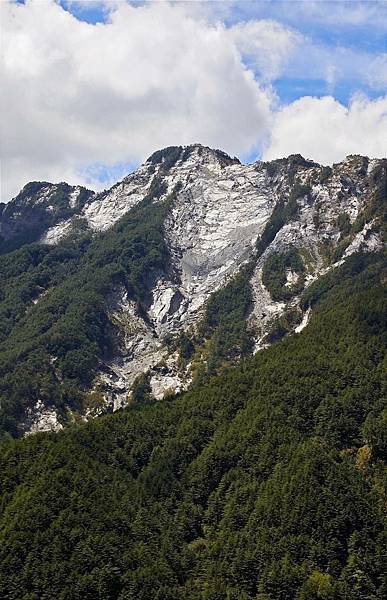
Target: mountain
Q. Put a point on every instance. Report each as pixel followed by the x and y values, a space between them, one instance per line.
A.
pixel 232 318
pixel 170 277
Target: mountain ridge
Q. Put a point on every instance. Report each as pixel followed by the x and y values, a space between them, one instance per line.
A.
pixel 241 244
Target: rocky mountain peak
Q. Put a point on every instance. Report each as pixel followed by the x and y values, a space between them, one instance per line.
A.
pixel 196 154
pixel 242 241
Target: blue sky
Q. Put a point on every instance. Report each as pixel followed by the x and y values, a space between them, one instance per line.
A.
pixel 103 84
pixel 90 12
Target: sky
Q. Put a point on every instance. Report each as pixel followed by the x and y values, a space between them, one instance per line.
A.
pixel 91 88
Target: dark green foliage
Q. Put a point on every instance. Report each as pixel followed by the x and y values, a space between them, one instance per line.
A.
pixel 352 268
pixel 276 332
pixel 378 206
pixel 283 325
pixel 299 190
pixel 293 162
pixel 325 175
pixel 225 159
pixel 375 211
pixel 345 227
pixel 277 220
pixel 186 346
pixel 359 223
pixel 344 224
pixel 59 341
pixel 168 157
pixel 339 250
pixel 272 168
pixel 274 274
pixel 141 390
pixel 272 227
pixel 267 483
pixel 296 160
pixel 29 272
pixel 32 188
pixel 183 342
pixel 225 320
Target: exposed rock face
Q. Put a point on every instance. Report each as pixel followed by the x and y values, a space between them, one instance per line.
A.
pixel 215 222
pixel 42 418
pixel 220 211
pixel 138 348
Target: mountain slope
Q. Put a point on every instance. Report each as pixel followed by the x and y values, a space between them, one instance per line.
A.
pixel 266 483
pixel 189 263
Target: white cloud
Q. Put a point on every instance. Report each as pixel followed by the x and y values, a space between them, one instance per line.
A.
pixel 153 75
pixel 78 96
pixel 377 72
pixel 266 45
pixel 336 14
pixel 331 77
pixel 326 131
pixel 339 13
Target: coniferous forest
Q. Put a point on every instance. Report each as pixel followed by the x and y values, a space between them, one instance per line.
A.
pixel 193 300
pixel 266 482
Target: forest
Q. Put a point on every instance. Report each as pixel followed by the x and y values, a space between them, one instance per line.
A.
pixel 264 483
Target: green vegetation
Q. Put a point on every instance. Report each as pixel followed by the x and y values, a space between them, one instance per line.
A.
pixel 376 207
pixel 183 342
pixel 375 212
pixel 344 224
pixel 141 390
pixel 347 232
pixel 280 326
pixel 339 250
pixel 325 175
pixel 274 274
pixel 168 157
pixel 225 321
pixel 50 350
pixel 266 483
pixel 186 347
pixel 294 162
pixel 299 190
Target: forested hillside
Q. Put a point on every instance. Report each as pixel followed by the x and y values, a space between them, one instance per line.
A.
pixel 50 349
pixel 266 483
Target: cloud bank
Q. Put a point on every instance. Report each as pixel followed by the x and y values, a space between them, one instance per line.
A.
pixel 79 94
pixel 83 99
pixel 326 131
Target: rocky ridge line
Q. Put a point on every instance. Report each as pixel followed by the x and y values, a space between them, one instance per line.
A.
pixel 226 215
